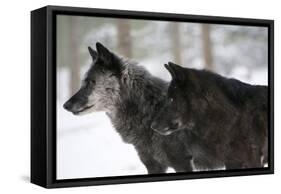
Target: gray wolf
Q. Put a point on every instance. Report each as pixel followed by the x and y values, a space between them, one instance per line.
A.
pixel 131 97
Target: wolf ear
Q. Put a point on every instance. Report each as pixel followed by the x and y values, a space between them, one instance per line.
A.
pixel 104 54
pixel 175 70
pixel 171 71
pixel 93 53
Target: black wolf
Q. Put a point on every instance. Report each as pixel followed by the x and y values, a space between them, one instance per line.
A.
pixel 229 116
pixel 131 97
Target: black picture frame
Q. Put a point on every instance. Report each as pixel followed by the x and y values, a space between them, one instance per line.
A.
pixel 43 95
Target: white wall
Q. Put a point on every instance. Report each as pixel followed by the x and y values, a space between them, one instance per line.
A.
pixel 14 96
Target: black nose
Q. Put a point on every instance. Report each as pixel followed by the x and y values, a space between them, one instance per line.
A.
pixel 67 105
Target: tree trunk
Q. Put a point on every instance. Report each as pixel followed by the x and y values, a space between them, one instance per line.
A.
pixel 74 57
pixel 207 47
pixel 176 42
pixel 124 38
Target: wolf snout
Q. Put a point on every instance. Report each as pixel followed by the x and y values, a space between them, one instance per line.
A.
pixel 67 105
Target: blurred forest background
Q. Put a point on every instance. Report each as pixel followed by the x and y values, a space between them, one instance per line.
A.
pixel 230 50
pixel 224 49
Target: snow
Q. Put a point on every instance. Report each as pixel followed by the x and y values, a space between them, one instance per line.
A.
pixel 88 146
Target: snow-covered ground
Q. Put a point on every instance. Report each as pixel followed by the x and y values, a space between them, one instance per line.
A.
pixel 88 146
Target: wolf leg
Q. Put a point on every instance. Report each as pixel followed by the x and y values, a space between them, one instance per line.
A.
pixel 181 163
pixel 231 164
pixel 255 159
pixel 152 165
pixel 184 166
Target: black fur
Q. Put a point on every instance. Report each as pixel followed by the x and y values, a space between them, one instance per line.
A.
pixel 227 116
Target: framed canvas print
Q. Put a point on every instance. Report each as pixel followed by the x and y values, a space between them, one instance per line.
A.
pixel 125 96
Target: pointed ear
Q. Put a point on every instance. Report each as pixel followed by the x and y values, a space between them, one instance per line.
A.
pixel 103 53
pixel 171 71
pixel 93 53
pixel 176 71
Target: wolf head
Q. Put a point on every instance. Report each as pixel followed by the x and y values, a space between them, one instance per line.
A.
pixel 182 102
pixel 100 86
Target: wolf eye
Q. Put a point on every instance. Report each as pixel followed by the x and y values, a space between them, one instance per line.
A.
pixel 171 100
